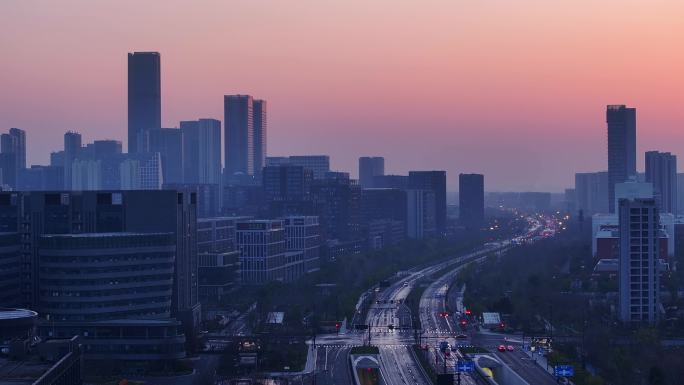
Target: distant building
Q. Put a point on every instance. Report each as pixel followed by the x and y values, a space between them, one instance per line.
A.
pixel 421 219
pixel 661 171
pixel 12 157
pixel 201 151
pixel 370 167
pixel 383 203
pixel 168 142
pixel 287 190
pixel 141 171
pixel 239 134
pixel 263 253
pixel 72 150
pixel 639 272
pixel 591 191
pixel 391 181
pixel 260 122
pixel 337 203
pixel 303 234
pixel 434 181
pixel 42 178
pixel 621 147
pixel 144 96
pixel 318 164
pixel 471 200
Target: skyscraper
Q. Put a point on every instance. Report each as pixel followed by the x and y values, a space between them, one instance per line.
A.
pixel 434 181
pixel 260 130
pixel 638 265
pixel 621 147
pixel 72 150
pixel 661 171
pixel 12 156
pixel 591 192
pixel 369 167
pixel 239 134
pixel 471 200
pixel 144 95
pixel 168 142
pixel 201 151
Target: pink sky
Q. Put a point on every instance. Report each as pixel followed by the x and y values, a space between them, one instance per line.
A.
pixel 513 89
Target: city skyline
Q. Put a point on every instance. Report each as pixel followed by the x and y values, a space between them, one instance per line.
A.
pixel 328 102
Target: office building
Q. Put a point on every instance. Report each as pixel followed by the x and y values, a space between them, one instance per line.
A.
pixel 471 200
pixel 168 142
pixel 141 171
pixel 421 221
pixel 381 233
pixel 115 276
pixel 239 134
pixel 639 269
pixel 337 203
pixel 260 130
pixel 144 96
pixel 287 190
pixel 621 147
pixel 201 151
pixel 34 214
pixel 383 203
pixel 434 181
pixel 661 171
pixel 303 234
pixel 370 167
pixel 72 150
pixel 42 178
pixel 12 157
pixel 391 181
pixel 10 270
pixel 591 192
pixel 318 164
pixel 218 257
pixel 263 253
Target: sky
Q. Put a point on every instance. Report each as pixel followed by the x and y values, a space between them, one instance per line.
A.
pixel 513 89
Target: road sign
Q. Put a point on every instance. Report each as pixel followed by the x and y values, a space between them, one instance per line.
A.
pixel 465 366
pixel 563 371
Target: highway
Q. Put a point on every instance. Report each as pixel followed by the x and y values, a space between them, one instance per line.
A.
pixel 390 326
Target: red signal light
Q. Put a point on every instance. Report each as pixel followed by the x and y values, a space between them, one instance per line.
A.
pixel 338 325
pixel 468 312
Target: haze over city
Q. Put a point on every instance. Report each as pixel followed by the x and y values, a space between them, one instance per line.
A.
pixel 513 89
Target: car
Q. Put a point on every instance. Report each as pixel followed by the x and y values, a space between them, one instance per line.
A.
pixel 501 348
pixel 509 348
pixel 461 336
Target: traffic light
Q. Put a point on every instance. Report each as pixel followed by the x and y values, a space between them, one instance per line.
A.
pixel 338 325
pixel 468 312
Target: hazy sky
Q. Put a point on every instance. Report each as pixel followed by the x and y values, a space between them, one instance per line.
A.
pixel 512 89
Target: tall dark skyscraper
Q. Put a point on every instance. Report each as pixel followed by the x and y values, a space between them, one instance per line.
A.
pixel 239 134
pixel 260 129
pixel 661 171
pixel 12 156
pixel 434 181
pixel 144 95
pixel 621 147
pixel 369 167
pixel 201 151
pixel 471 199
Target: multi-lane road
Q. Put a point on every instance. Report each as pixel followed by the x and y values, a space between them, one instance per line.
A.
pixel 390 329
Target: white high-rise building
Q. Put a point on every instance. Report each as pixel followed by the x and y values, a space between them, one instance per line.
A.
pixel 639 269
